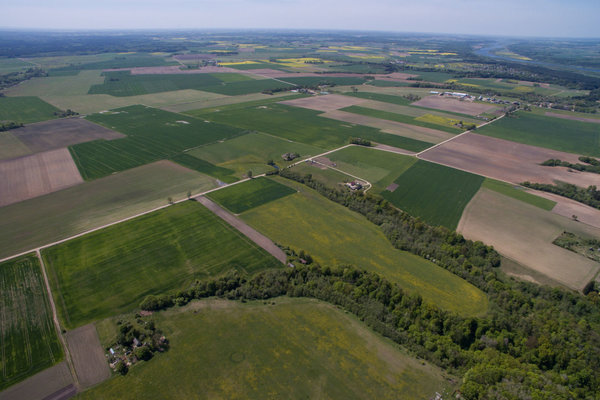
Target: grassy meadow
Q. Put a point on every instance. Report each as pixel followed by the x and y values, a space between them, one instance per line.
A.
pixel 549 132
pixel 290 348
pixel 435 193
pixel 335 235
pixel 26 109
pixel 28 339
pixel 250 194
pixel 110 271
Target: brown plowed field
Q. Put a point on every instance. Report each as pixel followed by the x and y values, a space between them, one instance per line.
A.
pixel 31 176
pixel 507 161
pixel 41 385
pixel 59 133
pixel 393 127
pixel 573 117
pixel 451 104
pixel 88 356
pixel 328 102
pixel 524 233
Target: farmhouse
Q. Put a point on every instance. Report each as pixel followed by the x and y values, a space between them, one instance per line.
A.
pixel 354 185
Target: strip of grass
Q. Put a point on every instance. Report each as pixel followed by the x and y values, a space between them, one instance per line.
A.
pixel 110 271
pixel 294 349
pixel 250 194
pixel 552 133
pixel 518 193
pixel 223 174
pixel 29 342
pixel 152 134
pixel 26 109
pixel 435 193
pixel 335 235
pixel 369 112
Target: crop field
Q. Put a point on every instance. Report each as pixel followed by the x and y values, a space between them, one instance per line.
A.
pixel 553 133
pixel 295 348
pixel 438 77
pixel 385 98
pixel 405 119
pixel 11 146
pixel 122 83
pixel 251 152
pixel 325 103
pixel 29 341
pixel 26 109
pixel 327 176
pixel 8 65
pixel 318 80
pixel 223 174
pixel 42 220
pixel 519 193
pixel 424 113
pixel 335 235
pixel 250 194
pixel 152 134
pixel 435 193
pixel 454 105
pixel 220 102
pixel 524 233
pixel 118 61
pixel 110 271
pixel 380 168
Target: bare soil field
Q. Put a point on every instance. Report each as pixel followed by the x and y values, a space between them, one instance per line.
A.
pixel 58 133
pixel 524 233
pixel 244 228
pixel 31 176
pixel 88 357
pixel 393 127
pixel 454 105
pixel 507 161
pixel 567 208
pixel 572 117
pixel 42 386
pixel 325 103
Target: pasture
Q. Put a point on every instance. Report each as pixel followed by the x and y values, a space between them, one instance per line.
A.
pixel 110 271
pixel 26 109
pixel 42 220
pixel 152 134
pixel 250 194
pixel 293 348
pixel 250 152
pixel 405 119
pixel 435 193
pixel 29 340
pixel 524 233
pixel 549 132
pixel 335 235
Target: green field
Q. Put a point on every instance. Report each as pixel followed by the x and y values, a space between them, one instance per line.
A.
pixel 223 174
pixel 122 83
pixel 305 126
pixel 45 219
pixel 118 61
pixel 553 133
pixel 432 76
pixel 251 152
pixel 386 98
pixel 152 134
pixel 382 83
pixel 326 176
pixel 238 105
pixel 8 65
pixel 110 271
pixel 294 349
pixel 406 119
pixel 435 193
pixel 26 109
pixel 29 341
pixel 250 194
pixel 335 235
pixel 518 193
pixel 312 81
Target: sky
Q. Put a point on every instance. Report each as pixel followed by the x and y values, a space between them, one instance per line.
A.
pixel 538 18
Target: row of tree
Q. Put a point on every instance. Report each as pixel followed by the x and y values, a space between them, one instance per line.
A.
pixel 589 196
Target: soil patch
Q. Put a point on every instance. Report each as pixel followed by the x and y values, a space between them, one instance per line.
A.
pixel 328 102
pixel 507 161
pixel 573 117
pixel 31 176
pixel 88 356
pixel 392 187
pixel 53 383
pixel 454 105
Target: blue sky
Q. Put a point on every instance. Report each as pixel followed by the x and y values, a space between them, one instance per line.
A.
pixel 553 18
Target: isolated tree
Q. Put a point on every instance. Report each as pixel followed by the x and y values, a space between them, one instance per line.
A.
pixel 189 194
pixel 249 174
pixel 170 200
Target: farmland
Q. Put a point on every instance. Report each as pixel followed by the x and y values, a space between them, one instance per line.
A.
pixel 25 109
pixel 250 194
pixel 152 135
pixel 61 214
pixel 295 348
pixel 405 119
pixel 553 133
pixel 454 105
pixel 518 193
pixel 110 271
pixel 334 235
pixel 29 339
pixel 223 174
pixel 435 193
